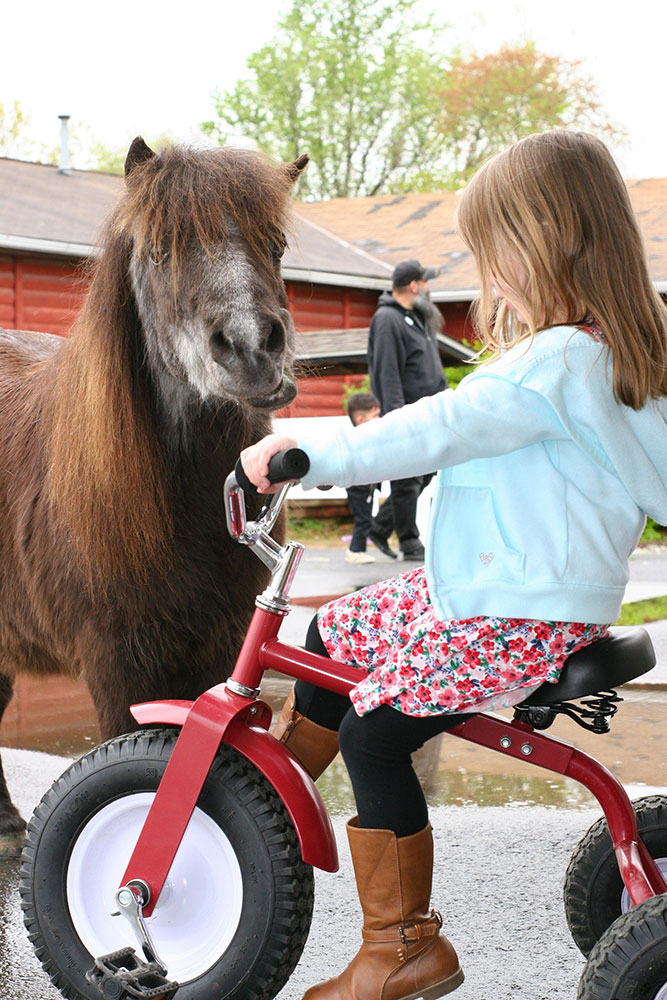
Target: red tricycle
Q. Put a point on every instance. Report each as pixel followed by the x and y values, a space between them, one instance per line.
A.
pixel 194 838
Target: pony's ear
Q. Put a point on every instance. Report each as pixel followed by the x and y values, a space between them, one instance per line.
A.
pixel 300 164
pixel 138 153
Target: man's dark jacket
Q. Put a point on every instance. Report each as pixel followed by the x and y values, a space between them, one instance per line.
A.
pixel 403 357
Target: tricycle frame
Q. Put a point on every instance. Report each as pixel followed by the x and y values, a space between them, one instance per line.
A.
pixel 223 715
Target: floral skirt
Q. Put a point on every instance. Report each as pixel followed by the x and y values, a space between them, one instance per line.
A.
pixel 422 666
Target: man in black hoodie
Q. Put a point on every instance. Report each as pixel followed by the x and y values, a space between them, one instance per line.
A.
pixel 404 365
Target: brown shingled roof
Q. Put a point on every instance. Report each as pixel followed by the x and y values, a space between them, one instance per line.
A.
pixel 356 239
pixel 38 202
pixel 397 227
pixel 44 210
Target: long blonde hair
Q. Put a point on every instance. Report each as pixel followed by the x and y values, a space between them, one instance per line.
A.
pixel 554 209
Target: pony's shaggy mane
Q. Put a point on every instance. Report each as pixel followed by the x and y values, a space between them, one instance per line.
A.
pixel 182 195
pixel 103 434
pixel 103 438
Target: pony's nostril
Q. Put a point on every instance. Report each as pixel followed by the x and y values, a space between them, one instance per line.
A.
pixel 276 339
pixel 221 349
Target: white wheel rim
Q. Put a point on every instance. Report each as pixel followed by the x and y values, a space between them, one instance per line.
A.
pixel 662 993
pixel 199 908
pixel 626 903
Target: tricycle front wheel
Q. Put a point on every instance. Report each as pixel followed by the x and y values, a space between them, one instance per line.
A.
pixel 235 912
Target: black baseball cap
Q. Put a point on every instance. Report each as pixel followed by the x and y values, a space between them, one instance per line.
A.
pixel 412 270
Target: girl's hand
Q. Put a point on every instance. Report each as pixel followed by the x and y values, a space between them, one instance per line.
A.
pixel 255 460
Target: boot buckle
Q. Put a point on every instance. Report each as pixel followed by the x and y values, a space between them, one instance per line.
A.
pixel 402 932
pixel 409 933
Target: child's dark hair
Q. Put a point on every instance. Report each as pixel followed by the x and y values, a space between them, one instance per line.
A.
pixel 361 402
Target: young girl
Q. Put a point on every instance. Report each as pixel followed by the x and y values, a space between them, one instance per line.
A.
pixel 550 457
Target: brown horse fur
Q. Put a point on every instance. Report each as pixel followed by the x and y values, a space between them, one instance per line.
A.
pixel 115 564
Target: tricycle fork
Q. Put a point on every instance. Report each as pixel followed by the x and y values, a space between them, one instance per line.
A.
pixel 639 872
pixel 232 714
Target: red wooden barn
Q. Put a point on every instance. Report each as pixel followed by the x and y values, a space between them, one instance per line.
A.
pixel 49 224
pixel 341 256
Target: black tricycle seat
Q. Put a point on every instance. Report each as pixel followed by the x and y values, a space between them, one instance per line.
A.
pixel 592 674
pixel 603 666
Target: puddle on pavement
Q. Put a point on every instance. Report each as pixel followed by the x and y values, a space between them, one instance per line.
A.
pixel 55 715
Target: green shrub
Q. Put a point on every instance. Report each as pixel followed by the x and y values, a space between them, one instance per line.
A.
pixel 654 532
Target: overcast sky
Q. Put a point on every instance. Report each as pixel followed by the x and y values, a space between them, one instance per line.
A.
pixel 125 68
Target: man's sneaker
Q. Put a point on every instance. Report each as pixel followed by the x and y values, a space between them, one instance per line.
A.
pixel 358 557
pixel 383 545
pixel 415 555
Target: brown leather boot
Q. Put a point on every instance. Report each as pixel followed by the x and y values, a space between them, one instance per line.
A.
pixel 403 956
pixel 314 746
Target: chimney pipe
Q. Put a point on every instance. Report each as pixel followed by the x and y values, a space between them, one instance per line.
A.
pixel 64 166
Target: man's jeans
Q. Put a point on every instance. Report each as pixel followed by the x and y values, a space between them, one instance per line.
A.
pixel 400 512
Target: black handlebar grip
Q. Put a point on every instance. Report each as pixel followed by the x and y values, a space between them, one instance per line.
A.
pixel 293 463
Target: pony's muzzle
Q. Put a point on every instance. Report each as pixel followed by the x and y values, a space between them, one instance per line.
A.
pixel 253 369
pixel 230 352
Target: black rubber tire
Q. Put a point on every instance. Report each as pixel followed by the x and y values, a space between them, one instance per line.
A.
pixel 277 885
pixel 629 962
pixel 593 885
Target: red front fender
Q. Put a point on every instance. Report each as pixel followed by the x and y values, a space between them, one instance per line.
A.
pixel 292 783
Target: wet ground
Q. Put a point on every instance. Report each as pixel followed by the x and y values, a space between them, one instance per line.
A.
pixel 452 771
pixel 504 833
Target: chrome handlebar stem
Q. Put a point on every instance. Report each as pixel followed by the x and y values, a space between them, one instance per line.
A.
pixel 282 560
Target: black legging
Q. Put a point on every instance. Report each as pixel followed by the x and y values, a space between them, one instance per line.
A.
pixel 377 749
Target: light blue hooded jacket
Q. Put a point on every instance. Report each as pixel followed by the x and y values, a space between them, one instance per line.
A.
pixel 545 480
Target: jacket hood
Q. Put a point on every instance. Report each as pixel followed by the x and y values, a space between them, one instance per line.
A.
pixel 387 299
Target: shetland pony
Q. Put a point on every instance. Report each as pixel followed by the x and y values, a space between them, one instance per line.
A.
pixel 115 563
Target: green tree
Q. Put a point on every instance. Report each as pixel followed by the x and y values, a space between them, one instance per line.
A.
pixel 487 102
pixel 14 140
pixel 368 90
pixel 353 83
pixel 17 142
pixel 111 159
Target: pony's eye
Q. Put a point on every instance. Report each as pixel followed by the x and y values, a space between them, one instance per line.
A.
pixel 278 247
pixel 158 255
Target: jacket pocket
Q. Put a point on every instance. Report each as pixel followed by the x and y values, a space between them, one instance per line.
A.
pixel 468 541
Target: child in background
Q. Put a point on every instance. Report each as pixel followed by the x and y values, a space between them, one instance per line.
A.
pixel 361 407
pixel 551 456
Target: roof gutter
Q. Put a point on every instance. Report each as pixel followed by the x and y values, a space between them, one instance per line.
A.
pixel 30 244
pixel 334 278
pixel 455 295
pixel 381 284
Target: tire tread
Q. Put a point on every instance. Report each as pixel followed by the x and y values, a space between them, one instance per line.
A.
pixel 632 938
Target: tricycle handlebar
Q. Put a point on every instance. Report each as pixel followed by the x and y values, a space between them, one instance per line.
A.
pixel 285 466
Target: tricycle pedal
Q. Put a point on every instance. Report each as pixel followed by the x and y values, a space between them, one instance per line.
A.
pixel 122 975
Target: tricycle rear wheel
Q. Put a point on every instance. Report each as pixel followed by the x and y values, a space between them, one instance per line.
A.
pixel 235 912
pixel 594 893
pixel 629 962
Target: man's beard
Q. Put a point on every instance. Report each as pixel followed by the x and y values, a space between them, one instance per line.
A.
pixel 428 312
